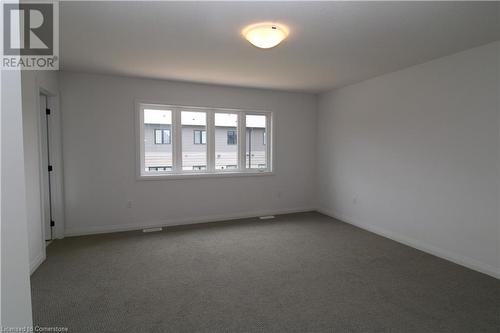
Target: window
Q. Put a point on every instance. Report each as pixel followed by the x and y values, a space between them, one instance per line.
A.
pixel 160 168
pixel 162 136
pixel 231 137
pixel 226 149
pixel 177 140
pixel 194 151
pixel 156 132
pixel 256 151
pixel 200 137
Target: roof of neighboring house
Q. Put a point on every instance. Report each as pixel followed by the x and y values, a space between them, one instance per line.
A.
pixel 199 118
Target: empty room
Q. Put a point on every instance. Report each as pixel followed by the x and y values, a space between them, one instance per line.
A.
pixel 250 166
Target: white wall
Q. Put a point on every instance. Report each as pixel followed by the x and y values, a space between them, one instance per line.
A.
pixel 32 82
pixel 414 155
pixel 15 305
pixel 99 156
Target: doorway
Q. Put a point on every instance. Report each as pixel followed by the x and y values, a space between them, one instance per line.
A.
pixel 47 169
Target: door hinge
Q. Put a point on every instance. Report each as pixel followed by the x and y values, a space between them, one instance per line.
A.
pixel 52 223
pixel 50 168
pixel 47 111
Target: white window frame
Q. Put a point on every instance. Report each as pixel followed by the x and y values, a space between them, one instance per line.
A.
pixel 176 143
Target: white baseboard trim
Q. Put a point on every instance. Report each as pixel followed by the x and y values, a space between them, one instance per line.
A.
pixel 37 261
pixel 438 252
pixel 176 222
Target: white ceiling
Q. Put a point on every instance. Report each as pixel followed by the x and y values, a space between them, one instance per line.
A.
pixel 331 44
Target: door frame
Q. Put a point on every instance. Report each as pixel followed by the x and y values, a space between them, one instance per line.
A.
pixel 45 176
pixel 55 146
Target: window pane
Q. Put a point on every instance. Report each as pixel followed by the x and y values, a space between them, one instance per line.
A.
pixel 167 137
pixel 255 154
pixel 203 137
pixel 231 137
pixel 226 149
pixel 157 156
pixel 197 137
pixel 194 149
pixel 158 139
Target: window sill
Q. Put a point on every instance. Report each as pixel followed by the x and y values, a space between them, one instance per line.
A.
pixel 205 175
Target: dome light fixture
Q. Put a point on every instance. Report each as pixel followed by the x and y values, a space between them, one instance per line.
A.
pixel 265 35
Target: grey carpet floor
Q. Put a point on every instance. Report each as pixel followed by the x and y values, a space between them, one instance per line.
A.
pixel 297 273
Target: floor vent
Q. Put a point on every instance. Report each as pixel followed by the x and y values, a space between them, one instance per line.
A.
pixel 152 229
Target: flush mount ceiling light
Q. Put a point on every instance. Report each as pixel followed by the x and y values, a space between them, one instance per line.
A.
pixel 265 35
